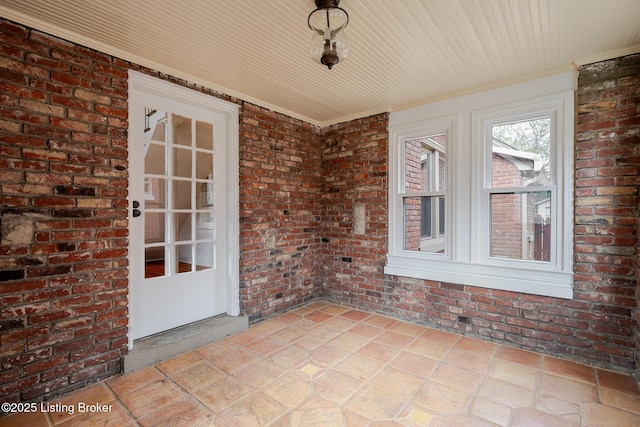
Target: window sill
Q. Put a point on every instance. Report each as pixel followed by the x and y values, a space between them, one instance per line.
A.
pixel 549 283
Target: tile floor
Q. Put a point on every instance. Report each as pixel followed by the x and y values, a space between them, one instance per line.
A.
pixel 329 365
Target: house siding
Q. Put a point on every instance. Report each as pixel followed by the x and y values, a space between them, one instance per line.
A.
pixel 63 216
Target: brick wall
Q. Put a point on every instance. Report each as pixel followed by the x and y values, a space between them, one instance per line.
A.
pixel 280 212
pixel 63 214
pixel 599 325
pixel 607 179
pixel 355 177
pixel 313 218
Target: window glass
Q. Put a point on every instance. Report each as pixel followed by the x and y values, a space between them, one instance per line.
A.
pixel 155 125
pixel 520 159
pixel 425 187
pixel 521 153
pixel 182 162
pixel 204 135
pixel 521 225
pixel 182 134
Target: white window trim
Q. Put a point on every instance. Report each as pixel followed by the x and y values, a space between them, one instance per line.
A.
pixel 463 262
pixel 554 106
pixel 444 125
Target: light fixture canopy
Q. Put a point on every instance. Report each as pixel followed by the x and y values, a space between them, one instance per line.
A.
pixel 329 43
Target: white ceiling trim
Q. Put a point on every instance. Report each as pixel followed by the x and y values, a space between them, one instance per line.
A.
pixel 611 54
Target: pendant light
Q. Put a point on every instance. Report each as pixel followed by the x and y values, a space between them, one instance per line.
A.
pixel 329 42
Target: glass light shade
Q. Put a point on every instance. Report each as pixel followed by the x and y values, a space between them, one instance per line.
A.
pixel 329 43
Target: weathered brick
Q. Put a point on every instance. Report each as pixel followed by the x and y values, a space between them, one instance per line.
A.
pixel 46 168
pixel 282 160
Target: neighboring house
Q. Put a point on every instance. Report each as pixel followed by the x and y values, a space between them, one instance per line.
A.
pixel 514 231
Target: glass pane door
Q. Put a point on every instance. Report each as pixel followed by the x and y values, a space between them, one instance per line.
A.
pixel 179 195
pixel 183 215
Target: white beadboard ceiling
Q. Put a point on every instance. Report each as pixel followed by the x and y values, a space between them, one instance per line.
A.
pixel 402 52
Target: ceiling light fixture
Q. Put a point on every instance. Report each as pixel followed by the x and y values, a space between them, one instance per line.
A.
pixel 329 42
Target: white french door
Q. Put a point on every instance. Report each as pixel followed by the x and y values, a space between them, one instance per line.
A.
pixel 182 222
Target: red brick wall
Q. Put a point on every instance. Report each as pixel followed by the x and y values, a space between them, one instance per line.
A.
pixel 355 173
pixel 599 325
pixel 280 212
pixel 63 268
pixel 63 210
pixel 607 179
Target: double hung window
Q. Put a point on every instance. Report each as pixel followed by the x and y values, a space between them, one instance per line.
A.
pixel 481 189
pixel 425 192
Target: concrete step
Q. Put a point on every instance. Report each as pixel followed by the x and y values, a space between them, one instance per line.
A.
pixel 165 345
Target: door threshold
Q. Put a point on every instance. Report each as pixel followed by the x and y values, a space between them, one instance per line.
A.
pixel 165 345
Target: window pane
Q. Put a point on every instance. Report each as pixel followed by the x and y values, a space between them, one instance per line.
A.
pixel 204 135
pixel 521 153
pixel 441 216
pixel 425 164
pixel 154 262
pixel 154 227
pixel 182 130
pixel 412 223
pixel 204 165
pixel 182 163
pixel 154 159
pixel 184 259
pixel 521 225
pixel 425 217
pixel 442 173
pixel 155 124
pixel 182 226
pixel 154 193
pixel 181 194
pixel 424 224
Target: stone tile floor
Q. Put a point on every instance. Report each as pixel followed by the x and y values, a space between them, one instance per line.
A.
pixel 330 365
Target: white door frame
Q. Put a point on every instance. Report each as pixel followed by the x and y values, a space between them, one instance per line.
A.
pixel 142 83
